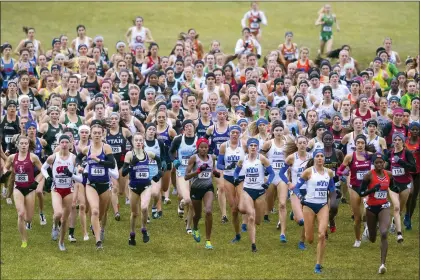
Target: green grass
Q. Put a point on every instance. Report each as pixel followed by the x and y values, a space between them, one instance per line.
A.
pixel 171 253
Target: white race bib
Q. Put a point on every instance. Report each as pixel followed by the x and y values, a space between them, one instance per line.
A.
pixel 320 194
pixel 21 178
pixel 218 145
pixel 380 195
pixel 254 25
pixel 116 149
pixel 98 171
pixel 152 162
pixel 184 161
pixel 360 175
pixel 398 171
pixel 31 106
pixel 8 139
pixel 327 28
pixel 142 175
pixel 204 175
pixel 251 180
pixel 63 181
pixel 277 164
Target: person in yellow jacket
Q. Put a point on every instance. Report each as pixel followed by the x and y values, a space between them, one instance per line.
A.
pixel 380 75
pixel 406 99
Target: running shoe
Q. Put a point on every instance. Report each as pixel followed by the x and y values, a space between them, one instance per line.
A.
pixel 42 219
pixel 154 213
pixel 98 245
pixel 357 243
pixel 92 229
pixel 266 219
pixel 278 225
pixel 224 219
pixel 189 231
pixel 291 216
pixel 365 235
pixel 180 209
pixel 117 216
pixel 167 201
pixel 318 269
pixel 392 228
pixel 28 226
pixel 196 235
pixel 127 201
pixel 54 233
pixel 9 201
pixel 332 229
pixel 86 238
pixel 148 220
pixel 243 227
pixel 406 219
pixel 61 246
pixel 273 211
pixel 283 238
pixel 145 236
pixel 301 245
pixel 236 239
pixel 72 238
pixel 24 244
pixel 159 215
pixel 132 239
pixel 208 245
pixel 382 269
pixel 253 248
pixel 399 238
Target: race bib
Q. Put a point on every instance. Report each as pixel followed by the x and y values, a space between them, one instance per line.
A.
pixel 8 139
pixel 320 194
pixel 398 171
pixel 380 195
pixel 204 175
pixel 142 175
pixel 98 171
pixel 152 162
pixel 31 106
pixel 360 175
pixel 251 180
pixel 218 145
pixel 116 149
pixel 184 161
pixel 21 178
pixel 327 28
pixel 277 164
pixel 254 25
pixel 64 181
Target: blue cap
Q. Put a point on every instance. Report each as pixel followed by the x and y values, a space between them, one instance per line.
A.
pixel 252 141
pixel 29 124
pixel 262 121
pixel 240 121
pixel 318 151
pixel 240 108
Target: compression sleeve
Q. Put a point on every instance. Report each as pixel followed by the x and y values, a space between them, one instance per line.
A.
pixel 297 187
pixel 79 158
pixel 125 170
pixel 44 169
pixel 114 172
pixel 221 162
pixel 282 173
pixel 269 170
pixel 332 187
pixel 109 161
pixel 237 172
pixel 175 145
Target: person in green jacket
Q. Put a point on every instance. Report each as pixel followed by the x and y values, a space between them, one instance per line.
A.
pixel 406 100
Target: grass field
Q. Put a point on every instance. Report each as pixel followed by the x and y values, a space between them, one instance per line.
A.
pixel 171 253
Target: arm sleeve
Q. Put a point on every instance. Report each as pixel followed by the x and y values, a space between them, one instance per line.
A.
pixel 258 47
pixel 130 139
pixel 158 161
pixel 79 158
pixel 362 191
pixel 331 186
pixel 175 144
pixel 109 161
pixel 125 170
pixel 282 173
pixel 221 162
pixel 239 47
pixel 269 170
pixel 237 172
pixel 244 20
pixel 145 70
pixel 386 129
pixel 409 164
pixel 264 19
pixel 78 177
pixel 297 187
pixel 44 169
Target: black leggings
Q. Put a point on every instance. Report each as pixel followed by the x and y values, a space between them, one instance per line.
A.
pixel 411 203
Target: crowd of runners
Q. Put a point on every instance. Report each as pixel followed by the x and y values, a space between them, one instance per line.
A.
pixel 257 129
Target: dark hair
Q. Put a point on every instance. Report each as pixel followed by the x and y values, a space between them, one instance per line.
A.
pixel 335 53
pixel 26 29
pixel 134 21
pixel 79 26
pixel 150 47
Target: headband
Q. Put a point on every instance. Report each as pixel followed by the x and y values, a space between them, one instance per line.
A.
pixel 200 141
pixel 148 125
pixel 240 121
pixel 221 108
pixel 252 141
pixel 64 136
pixel 29 124
pixel 98 38
pixel 120 44
pixel 318 151
pixel 400 135
pixel 186 122
pixel 234 127
pixel 84 127
pixel 262 121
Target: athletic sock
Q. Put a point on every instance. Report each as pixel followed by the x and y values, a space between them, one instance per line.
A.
pixel 71 231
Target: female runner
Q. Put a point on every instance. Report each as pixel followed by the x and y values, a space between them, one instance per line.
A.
pixel 23 163
pixel 138 34
pixel 81 39
pixel 30 36
pixel 200 169
pixel 326 19
pixel 315 198
pixel 100 161
pixel 136 163
pixel 253 199
pixel 376 185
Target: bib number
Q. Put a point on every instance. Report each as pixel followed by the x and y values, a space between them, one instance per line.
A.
pixel 204 175
pixel 184 161
pixel 21 178
pixel 152 162
pixel 360 175
pixel 98 171
pixel 64 181
pixel 116 149
pixel 254 25
pixel 251 180
pixel 218 145
pixel 142 175
pixel 327 28
pixel 320 194
pixel 277 164
pixel 8 139
pixel 380 195
pixel 398 171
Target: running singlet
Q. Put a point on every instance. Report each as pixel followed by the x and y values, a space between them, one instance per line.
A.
pixel 51 136
pixel 254 173
pixel 7 70
pixel 289 53
pixel 164 137
pixel 298 167
pixel 276 157
pixel 60 180
pixel 400 129
pixel 317 187
pixel 218 139
pixel 118 145
pixel 231 156
pixel 379 197
pixel 400 175
pixel 139 174
pixel 8 129
pixel 415 150
pixel 184 154
pixel 358 169
pixel 204 179
pixel 73 125
pixel 201 128
pixel 24 171
pixel 304 67
pixel 376 143
pixel 38 148
pixel 97 173
pixel 155 149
